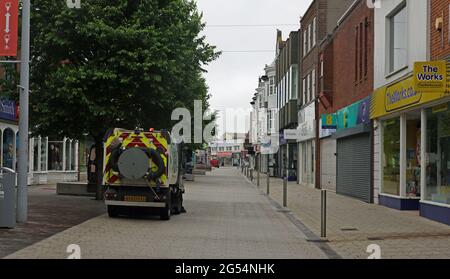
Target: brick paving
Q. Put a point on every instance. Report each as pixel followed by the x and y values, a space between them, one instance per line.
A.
pixel 48 214
pixel 352 225
pixel 227 218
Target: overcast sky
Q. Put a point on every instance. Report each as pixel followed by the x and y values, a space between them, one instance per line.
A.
pixel 233 78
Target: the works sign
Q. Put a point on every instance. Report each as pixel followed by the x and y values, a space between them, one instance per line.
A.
pixel 9 21
pixel 8 110
pixel 428 83
pixel 430 76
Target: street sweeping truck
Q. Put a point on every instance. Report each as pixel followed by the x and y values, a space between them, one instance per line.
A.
pixel 142 170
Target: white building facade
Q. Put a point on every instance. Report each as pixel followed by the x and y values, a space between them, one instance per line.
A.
pixel 411 153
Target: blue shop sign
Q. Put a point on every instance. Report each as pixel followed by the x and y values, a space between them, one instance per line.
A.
pixel 8 110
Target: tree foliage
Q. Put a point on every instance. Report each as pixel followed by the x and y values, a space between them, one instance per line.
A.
pixel 114 63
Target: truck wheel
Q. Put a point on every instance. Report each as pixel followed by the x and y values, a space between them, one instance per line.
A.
pixel 113 211
pixel 177 203
pixel 165 213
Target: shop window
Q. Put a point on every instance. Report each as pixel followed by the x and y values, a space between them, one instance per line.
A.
pixel 413 155
pixel 438 155
pixel 391 157
pixel 36 154
pixel 44 154
pixel 55 155
pixel 67 155
pixel 72 156
pixel 8 148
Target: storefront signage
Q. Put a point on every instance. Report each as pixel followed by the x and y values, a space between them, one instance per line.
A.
pixel 399 96
pixel 8 110
pixel 291 134
pixel 326 132
pixel 329 121
pixel 353 115
pixel 306 123
pixel 224 154
pixel 9 23
pixel 430 76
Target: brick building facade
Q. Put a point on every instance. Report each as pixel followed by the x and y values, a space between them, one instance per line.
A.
pixel 439 29
pixel 345 78
pixel 319 20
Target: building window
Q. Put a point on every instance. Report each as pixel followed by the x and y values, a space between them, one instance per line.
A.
pixel 366 46
pixel 294 81
pixel 321 67
pixel 310 97
pixel 271 86
pixel 304 97
pixel 356 52
pixel 313 84
pixel 314 27
pixel 398 30
pixel 360 50
pixel 305 43
pixel 229 148
pixel 438 155
pixel 309 37
pixel 391 156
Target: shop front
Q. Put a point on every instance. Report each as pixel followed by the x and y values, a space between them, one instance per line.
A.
pixel 328 126
pixel 50 160
pixel 8 133
pixel 412 142
pixel 353 151
pixel 306 141
pixel 287 159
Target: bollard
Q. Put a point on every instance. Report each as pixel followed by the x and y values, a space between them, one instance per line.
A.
pixel 257 177
pixel 251 175
pixel 323 202
pixel 268 182
pixel 285 191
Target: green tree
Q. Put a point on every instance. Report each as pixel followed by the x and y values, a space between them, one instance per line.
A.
pixel 114 63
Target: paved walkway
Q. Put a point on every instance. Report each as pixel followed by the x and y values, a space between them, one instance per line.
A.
pixel 352 225
pixel 227 218
pixel 48 214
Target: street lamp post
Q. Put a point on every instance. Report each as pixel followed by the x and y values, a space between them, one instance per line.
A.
pixel 22 191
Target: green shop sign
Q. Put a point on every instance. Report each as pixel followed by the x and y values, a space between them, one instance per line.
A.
pixel 354 115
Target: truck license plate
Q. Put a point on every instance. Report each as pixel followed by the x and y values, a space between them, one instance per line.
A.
pixel 135 198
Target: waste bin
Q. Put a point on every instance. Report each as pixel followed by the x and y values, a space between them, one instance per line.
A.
pixel 7 198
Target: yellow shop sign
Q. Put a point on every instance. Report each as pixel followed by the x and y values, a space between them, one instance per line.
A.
pixel 430 76
pixel 399 96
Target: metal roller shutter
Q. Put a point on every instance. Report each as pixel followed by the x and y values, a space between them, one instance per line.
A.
pixel 353 167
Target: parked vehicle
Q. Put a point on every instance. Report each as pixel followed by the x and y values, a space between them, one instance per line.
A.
pixel 142 169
